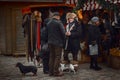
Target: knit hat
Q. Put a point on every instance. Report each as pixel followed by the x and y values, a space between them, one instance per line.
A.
pixel 56 14
pixel 94 19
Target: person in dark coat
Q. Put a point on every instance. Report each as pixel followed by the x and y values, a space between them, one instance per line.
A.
pixel 56 38
pixel 94 38
pixel 107 42
pixel 43 53
pixel 73 33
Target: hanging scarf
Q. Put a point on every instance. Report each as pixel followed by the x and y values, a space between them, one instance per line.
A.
pixel 38 35
pixel 69 27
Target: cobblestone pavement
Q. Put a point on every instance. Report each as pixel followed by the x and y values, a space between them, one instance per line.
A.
pixel 8 71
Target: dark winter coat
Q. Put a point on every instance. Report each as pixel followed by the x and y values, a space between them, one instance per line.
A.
pixel 74 38
pixel 44 40
pixel 94 37
pixel 44 35
pixel 94 34
pixel 56 32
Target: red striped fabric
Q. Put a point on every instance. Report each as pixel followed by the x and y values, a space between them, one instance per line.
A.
pixel 91 5
pixel 73 2
pixel 113 1
pixel 38 35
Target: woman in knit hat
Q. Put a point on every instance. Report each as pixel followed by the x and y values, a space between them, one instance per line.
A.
pixel 94 38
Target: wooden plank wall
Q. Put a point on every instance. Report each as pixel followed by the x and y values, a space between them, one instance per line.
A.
pixel 2 31
pixel 11 32
pixel 19 39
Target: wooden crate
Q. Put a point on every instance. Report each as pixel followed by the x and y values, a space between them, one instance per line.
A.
pixel 85 58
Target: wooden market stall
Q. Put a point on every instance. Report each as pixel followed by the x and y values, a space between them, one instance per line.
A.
pixel 12 41
pixel 31 13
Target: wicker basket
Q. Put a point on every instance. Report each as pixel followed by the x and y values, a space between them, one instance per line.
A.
pixel 114 62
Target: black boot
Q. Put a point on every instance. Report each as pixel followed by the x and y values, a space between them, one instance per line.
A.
pixel 92 67
pixel 92 63
pixel 97 68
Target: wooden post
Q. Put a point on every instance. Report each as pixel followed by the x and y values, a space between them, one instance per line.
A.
pixel 31 33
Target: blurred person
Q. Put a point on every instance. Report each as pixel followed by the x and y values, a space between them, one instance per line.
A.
pixel 45 52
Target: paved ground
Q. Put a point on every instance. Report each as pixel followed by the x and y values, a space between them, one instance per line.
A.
pixel 8 71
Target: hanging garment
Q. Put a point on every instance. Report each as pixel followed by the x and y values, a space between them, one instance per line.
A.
pixel 38 35
pixel 26 24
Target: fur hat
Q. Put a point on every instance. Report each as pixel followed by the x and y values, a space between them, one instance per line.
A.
pixel 70 15
pixel 94 19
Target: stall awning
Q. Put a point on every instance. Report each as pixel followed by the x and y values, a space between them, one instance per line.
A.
pixel 50 5
pixel 27 9
pixel 33 0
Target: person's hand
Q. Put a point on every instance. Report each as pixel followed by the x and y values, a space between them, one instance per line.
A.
pixel 68 33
